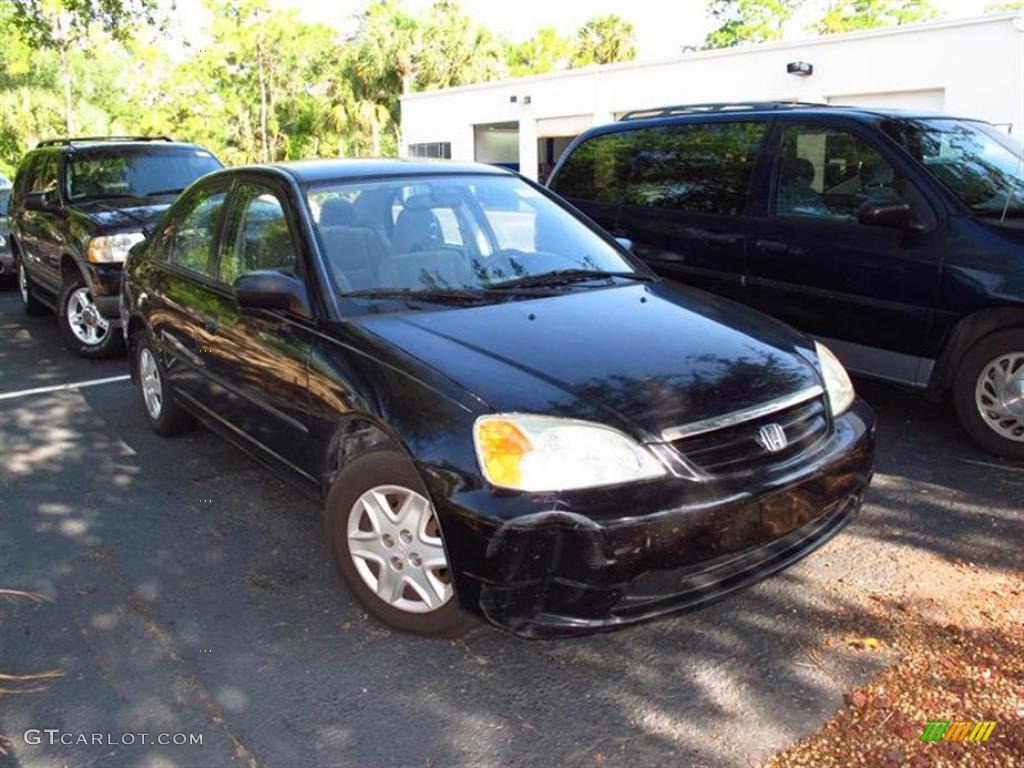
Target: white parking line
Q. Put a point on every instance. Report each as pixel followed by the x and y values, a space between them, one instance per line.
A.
pixel 61 387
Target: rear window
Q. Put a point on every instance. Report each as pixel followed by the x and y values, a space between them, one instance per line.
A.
pixel 136 173
pixel 692 167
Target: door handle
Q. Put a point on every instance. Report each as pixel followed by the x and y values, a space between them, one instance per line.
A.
pixel 720 239
pixel 210 325
pixel 773 247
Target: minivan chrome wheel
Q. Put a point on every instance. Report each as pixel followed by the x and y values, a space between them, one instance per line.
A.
pixel 84 320
pixel 395 543
pixel 999 395
pixel 149 380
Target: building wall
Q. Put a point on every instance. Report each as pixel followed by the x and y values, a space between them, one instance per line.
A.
pixel 975 67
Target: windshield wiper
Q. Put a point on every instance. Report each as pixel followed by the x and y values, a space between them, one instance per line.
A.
pixel 439 295
pixel 159 192
pixel 562 276
pixel 106 196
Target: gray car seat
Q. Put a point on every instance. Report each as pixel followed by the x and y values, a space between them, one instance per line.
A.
pixel 354 251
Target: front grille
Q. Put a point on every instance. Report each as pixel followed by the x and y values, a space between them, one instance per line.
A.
pixel 735 449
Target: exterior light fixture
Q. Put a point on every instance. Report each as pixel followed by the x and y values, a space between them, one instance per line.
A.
pixel 800 68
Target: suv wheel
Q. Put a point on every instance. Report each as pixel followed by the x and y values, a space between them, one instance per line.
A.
pixel 86 331
pixel 989 393
pixel 30 303
pixel 384 534
pixel 163 413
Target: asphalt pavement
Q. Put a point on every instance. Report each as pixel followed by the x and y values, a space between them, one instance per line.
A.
pixel 189 591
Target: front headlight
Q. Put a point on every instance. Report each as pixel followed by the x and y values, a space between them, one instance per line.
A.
pixel 544 453
pixel 837 380
pixel 112 249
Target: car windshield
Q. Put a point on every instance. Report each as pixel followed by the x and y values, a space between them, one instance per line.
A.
pixel 139 173
pixel 457 235
pixel 5 198
pixel 980 164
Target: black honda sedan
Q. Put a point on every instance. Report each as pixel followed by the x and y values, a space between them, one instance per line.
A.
pixel 507 415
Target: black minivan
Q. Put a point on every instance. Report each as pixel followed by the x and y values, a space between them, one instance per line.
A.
pixel 896 238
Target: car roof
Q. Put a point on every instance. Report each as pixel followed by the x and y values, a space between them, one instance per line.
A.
pixel 313 171
pixel 769 110
pixel 85 146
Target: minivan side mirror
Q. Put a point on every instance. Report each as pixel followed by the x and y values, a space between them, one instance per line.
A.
pixel 889 215
pixel 40 201
pixel 267 289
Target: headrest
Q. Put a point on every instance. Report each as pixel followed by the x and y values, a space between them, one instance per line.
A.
pixel 337 212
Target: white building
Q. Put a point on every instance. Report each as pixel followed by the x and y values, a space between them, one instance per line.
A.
pixel 968 67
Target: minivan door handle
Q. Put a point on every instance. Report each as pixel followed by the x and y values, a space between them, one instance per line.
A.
pixel 721 239
pixel 210 325
pixel 773 247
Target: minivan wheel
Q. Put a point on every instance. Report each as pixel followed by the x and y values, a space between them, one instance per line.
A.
pixel 163 413
pixel 29 303
pixel 989 393
pixel 86 331
pixel 384 534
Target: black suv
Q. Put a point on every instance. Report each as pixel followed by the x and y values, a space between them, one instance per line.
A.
pixel 895 237
pixel 76 207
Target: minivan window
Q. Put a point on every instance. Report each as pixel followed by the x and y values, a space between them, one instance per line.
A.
pixel 828 173
pixel 597 168
pixel 144 172
pixel 981 165
pixel 694 167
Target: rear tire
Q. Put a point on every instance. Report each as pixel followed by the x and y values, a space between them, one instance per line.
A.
pixel 29 303
pixel 85 330
pixel 988 392
pixel 165 416
pixel 399 572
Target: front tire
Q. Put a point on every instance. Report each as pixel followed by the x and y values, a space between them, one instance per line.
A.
pixel 85 330
pixel 384 534
pixel 988 393
pixel 163 413
pixel 29 303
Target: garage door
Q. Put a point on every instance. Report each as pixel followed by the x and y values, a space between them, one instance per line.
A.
pixel 933 100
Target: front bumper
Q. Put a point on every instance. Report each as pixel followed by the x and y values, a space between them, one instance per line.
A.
pixel 105 280
pixel 589 562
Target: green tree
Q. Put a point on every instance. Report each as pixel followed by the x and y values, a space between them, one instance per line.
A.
pixel 546 51
pixel 1016 5
pixel 853 15
pixel 604 40
pixel 748 21
pixel 63 26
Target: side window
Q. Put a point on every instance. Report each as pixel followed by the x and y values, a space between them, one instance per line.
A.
pixel 827 173
pixel 257 236
pixel 596 170
pixel 43 177
pixel 190 242
pixel 695 167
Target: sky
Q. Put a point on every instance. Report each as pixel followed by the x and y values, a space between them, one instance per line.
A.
pixel 662 26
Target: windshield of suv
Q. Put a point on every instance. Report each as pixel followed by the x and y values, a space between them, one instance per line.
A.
pixel 138 172
pixel 455 236
pixel 980 164
pixel 5 198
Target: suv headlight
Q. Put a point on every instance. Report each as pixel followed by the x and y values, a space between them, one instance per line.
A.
pixel 544 453
pixel 112 249
pixel 837 380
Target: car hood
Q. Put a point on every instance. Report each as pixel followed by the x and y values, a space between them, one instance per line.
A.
pixel 641 357
pixel 126 214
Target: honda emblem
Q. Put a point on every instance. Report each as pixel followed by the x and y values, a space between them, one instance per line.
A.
pixel 772 438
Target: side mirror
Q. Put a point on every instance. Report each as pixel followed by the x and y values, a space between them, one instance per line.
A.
pixel 889 215
pixel 40 201
pixel 267 289
pixel 625 242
